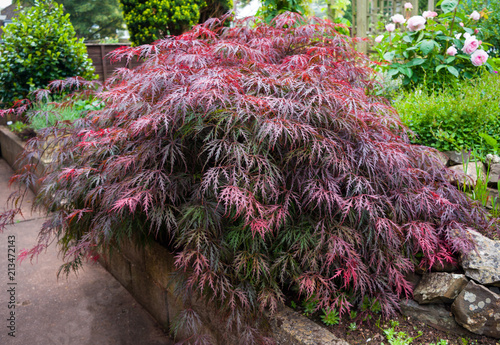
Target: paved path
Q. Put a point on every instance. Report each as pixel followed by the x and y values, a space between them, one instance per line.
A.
pixel 89 309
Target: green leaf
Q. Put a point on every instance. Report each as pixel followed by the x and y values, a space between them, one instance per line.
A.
pixel 392 72
pixel 449 5
pixel 453 70
pixel 489 140
pixel 427 46
pixel 416 62
pixel 406 71
pixel 420 36
pixel 389 56
pixel 440 67
pixel 450 59
pixel 408 39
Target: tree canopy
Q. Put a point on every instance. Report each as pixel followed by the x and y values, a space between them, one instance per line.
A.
pixel 150 20
pixel 92 19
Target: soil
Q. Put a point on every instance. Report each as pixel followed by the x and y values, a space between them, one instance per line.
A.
pixel 370 333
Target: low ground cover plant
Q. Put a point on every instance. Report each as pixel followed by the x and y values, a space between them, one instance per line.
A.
pixel 257 154
pixel 44 115
pixel 453 119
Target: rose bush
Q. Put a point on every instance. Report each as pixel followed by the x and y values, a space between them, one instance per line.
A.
pixel 436 50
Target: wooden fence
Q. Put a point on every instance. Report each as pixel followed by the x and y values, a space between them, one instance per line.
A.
pixel 103 66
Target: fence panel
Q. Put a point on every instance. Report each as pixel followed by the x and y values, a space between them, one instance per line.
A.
pixel 103 66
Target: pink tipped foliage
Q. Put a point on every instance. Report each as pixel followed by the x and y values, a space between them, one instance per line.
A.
pixel 258 154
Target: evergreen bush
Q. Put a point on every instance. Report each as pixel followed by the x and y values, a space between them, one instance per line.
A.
pixel 40 46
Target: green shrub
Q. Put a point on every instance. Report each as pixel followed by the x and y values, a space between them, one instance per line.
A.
pixel 490 26
pixel 150 20
pixel 453 118
pixel 40 46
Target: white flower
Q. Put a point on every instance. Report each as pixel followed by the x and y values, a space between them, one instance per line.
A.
pixel 475 15
pixel 9 123
pixel 452 51
pixel 470 45
pixel 429 14
pixel 390 27
pixel 416 23
pixel 379 39
pixel 398 19
pixel 466 35
pixel 408 6
pixel 457 36
pixel 479 57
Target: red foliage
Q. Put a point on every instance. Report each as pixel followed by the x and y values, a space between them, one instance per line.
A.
pixel 258 153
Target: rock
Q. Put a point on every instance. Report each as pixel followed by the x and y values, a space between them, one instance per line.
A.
pixel 439 287
pixel 494 289
pixel 434 315
pixel 413 278
pixel 494 175
pixel 492 159
pixel 455 157
pixel 483 264
pixel 478 310
pixel 468 173
pixel 445 266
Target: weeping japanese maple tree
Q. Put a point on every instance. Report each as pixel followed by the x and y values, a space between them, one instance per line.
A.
pixel 259 156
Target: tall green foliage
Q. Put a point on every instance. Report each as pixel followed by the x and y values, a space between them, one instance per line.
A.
pixel 40 46
pixel 149 20
pixel 92 19
pixel 273 8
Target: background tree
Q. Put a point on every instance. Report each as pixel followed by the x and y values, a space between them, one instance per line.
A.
pixel 150 20
pixel 40 46
pixel 92 19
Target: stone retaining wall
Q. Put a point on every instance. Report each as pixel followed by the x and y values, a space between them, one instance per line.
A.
pixel 145 272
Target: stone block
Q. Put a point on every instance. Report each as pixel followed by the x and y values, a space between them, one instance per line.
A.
pixel 439 287
pixel 119 267
pixel 159 263
pixel 133 252
pixel 150 296
pixel 468 173
pixel 458 158
pixel 494 175
pixel 478 310
pixel 434 315
pixel 483 264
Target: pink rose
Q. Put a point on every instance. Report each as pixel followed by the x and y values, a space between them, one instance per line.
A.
pixel 408 6
pixel 398 19
pixel 379 39
pixel 416 23
pixel 461 24
pixel 390 27
pixel 452 51
pixel 476 31
pixel 466 35
pixel 429 14
pixel 479 57
pixel 475 15
pixel 470 45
